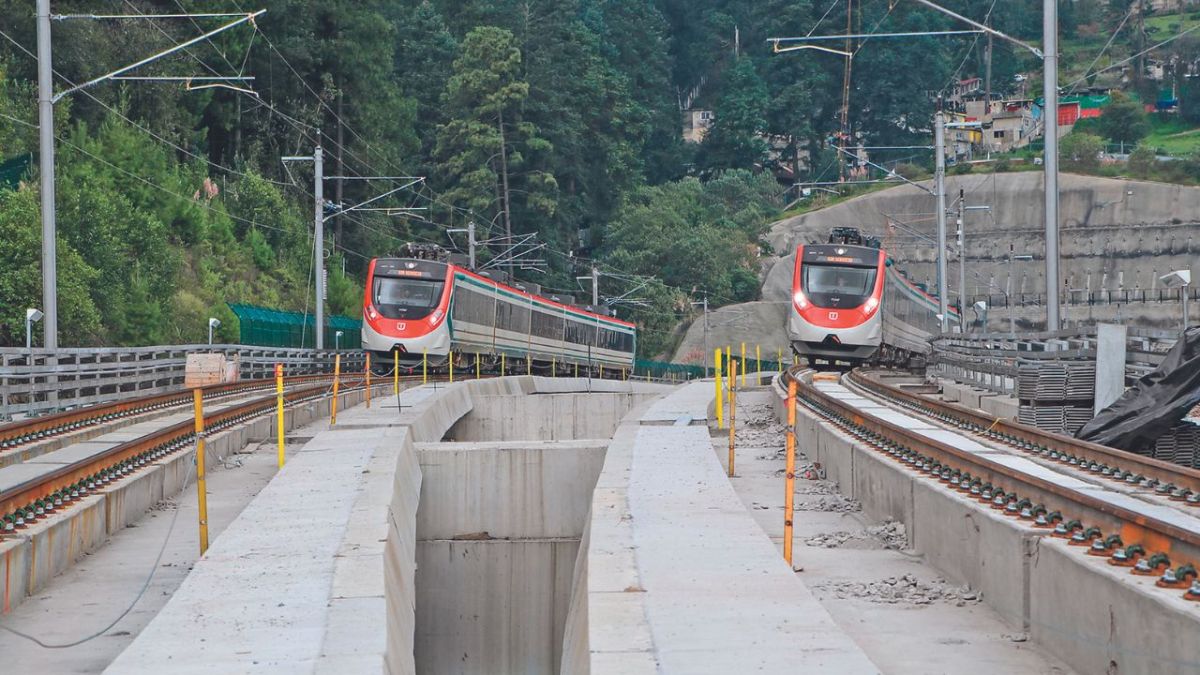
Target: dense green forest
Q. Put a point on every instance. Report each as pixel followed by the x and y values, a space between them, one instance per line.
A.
pixel 555 117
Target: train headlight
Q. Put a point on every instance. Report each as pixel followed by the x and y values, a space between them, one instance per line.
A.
pixel 371 313
pixel 800 300
pixel 436 317
pixel 870 306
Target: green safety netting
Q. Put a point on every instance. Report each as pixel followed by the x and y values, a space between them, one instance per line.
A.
pixel 277 328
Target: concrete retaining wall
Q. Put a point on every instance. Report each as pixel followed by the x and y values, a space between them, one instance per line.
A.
pixel 544 416
pixel 492 606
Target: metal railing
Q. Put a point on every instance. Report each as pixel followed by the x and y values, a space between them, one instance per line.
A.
pixel 38 381
pixel 1084 297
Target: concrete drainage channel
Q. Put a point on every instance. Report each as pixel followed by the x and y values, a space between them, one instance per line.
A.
pixel 30 559
pixel 498 527
pixel 1079 608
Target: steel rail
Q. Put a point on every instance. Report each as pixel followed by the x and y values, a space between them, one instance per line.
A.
pixel 1122 466
pixel 13 435
pixel 30 500
pixel 1092 521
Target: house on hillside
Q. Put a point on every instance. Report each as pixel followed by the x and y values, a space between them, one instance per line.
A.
pixel 696 124
pixel 1007 123
pixel 962 89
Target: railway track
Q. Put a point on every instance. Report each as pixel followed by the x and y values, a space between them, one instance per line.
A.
pixel 1137 512
pixel 25 503
pixel 16 435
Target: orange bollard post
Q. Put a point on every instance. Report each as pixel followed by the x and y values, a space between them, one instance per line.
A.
pixel 279 409
pixel 201 485
pixel 789 496
pixel 337 373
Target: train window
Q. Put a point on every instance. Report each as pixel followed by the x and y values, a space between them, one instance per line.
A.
pixel 406 298
pixel 473 306
pixel 829 280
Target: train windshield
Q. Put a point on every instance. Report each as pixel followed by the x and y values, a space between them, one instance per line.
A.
pixel 406 298
pixel 830 286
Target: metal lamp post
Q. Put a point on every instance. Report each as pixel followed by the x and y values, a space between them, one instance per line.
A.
pixel 31 315
pixel 213 322
pixel 337 339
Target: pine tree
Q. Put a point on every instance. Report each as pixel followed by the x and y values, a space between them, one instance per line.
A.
pixel 483 145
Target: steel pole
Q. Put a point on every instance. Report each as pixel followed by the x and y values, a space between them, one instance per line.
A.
pixel 319 220
pixel 46 173
pixel 1050 159
pixel 471 242
pixel 962 262
pixel 595 287
pixel 939 188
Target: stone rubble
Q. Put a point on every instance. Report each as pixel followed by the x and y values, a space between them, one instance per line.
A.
pixel 904 589
pixel 890 535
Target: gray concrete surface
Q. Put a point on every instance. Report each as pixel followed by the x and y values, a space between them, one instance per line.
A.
pixel 1068 603
pixel 679 577
pixel 906 614
pixel 92 593
pixel 307 559
pixel 32 557
pixel 327 555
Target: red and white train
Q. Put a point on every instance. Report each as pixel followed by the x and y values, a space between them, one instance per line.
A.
pixel 425 308
pixel 837 293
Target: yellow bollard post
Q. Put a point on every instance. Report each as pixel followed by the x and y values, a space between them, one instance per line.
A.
pixel 601 371
pixel 424 366
pixel 478 370
pixel 576 369
pixel 337 372
pixel 624 375
pixel 553 367
pixel 279 409
pixel 503 370
pixel 717 382
pixel 789 496
pixel 368 375
pixel 396 373
pixel 757 359
pixel 733 370
pixel 728 362
pixel 201 486
pixel 779 358
pixel 528 364
pixel 450 360
pixel 742 365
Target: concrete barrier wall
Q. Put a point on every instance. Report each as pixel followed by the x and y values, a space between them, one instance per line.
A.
pixel 498 532
pixel 497 606
pixel 400 563
pixel 544 416
pixel 511 490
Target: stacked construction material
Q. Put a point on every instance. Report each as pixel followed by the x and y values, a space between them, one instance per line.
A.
pixel 1056 395
pixel 1179 445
